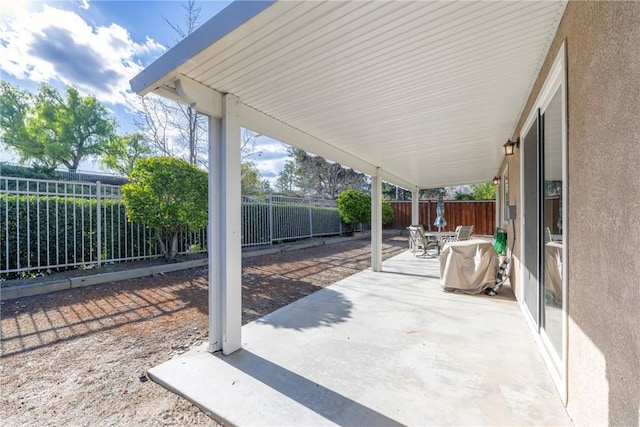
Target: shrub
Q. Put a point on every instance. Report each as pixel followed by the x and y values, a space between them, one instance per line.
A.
pixel 168 195
pixel 55 230
pixel 387 212
pixel 354 207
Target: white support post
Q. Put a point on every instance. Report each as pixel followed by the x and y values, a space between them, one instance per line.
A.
pixel 225 256
pixel 230 226
pixel 376 222
pixel 213 236
pixel 415 206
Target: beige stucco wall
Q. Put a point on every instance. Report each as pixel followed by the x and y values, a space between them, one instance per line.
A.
pixel 603 227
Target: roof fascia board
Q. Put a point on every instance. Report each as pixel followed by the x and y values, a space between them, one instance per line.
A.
pixel 226 21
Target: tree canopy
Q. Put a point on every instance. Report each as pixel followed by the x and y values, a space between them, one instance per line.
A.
pixel 314 175
pixel 285 183
pixel 51 130
pixel 122 152
pixel 485 191
pixel 168 195
pixel 251 178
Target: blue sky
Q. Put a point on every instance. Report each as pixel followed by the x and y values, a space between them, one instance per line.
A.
pixel 97 46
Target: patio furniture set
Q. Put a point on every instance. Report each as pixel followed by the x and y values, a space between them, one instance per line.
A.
pixel 466 265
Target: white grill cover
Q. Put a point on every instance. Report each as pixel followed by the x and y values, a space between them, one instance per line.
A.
pixel 468 266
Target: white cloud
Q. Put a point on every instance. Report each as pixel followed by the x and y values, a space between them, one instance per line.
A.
pixel 58 45
pixel 274 155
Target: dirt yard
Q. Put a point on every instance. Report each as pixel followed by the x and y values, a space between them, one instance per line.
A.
pixel 74 358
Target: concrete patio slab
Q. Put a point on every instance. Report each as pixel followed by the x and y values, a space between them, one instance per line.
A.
pixel 375 349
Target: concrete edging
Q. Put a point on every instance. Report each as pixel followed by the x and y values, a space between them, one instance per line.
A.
pixel 95 279
pixel 33 289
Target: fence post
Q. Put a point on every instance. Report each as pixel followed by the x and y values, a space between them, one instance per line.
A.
pixel 270 219
pixel 99 222
pixel 310 217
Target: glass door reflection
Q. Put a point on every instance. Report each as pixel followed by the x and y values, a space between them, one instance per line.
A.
pixel 553 234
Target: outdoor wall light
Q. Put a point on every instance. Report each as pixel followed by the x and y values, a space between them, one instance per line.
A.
pixel 509 147
pixel 496 180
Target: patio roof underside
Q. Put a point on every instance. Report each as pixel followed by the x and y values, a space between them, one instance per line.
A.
pixel 427 91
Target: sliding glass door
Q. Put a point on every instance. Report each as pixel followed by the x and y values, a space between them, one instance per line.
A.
pixel 531 220
pixel 544 245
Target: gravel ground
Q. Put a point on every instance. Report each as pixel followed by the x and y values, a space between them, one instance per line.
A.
pixel 74 358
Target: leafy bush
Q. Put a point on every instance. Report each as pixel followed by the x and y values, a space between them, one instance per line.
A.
pixel 387 212
pixel 354 207
pixel 27 172
pixel 54 230
pixel 168 195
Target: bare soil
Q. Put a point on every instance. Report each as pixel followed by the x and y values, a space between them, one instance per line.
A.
pixel 74 358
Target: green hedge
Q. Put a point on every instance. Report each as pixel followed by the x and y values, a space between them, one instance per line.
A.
pixel 67 232
pixel 62 243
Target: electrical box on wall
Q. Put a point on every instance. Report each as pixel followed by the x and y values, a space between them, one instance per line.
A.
pixel 511 212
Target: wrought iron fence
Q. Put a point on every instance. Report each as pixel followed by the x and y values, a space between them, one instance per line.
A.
pixel 49 225
pixel 272 219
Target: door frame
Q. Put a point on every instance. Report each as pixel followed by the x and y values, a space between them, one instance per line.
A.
pixel 556 78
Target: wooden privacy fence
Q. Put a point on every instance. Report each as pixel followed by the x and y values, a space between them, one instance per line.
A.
pixel 479 213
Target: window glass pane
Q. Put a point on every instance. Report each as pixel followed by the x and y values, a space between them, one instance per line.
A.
pixel 552 222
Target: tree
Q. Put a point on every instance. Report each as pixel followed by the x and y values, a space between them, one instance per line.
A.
pixel 152 120
pixel 248 145
pixel 317 176
pixel 122 152
pixel 354 207
pixel 285 183
pixel 191 20
pixel 265 187
pixel 251 178
pixel 459 195
pixel 168 195
pixel 387 212
pixel 485 191
pixel 175 129
pixel 50 130
pixel 432 193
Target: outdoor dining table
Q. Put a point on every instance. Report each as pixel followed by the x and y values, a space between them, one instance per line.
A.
pixel 468 266
pixel 439 236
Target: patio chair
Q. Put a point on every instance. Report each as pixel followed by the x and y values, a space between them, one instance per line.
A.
pixel 463 232
pixel 419 242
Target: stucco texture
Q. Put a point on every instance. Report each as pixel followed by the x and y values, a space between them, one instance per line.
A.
pixel 603 228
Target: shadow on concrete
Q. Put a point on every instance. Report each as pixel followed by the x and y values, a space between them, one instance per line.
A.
pixel 333 406
pixel 32 323
pixel 321 309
